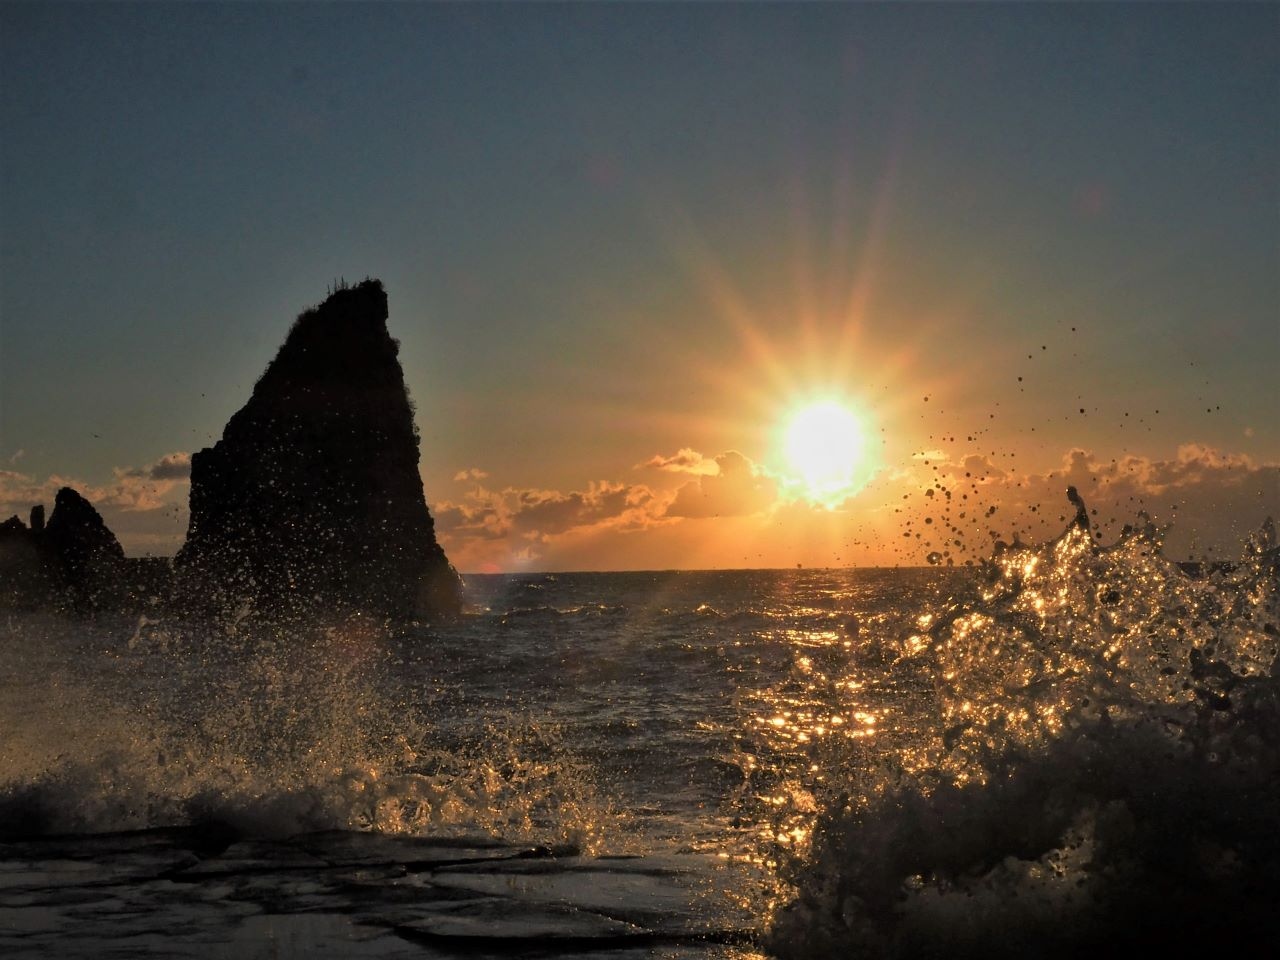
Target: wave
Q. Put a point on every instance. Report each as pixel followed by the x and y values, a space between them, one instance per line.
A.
pixel 1103 775
pixel 264 734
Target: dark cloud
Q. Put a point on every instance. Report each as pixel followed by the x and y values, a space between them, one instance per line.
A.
pixel 176 466
pixel 173 466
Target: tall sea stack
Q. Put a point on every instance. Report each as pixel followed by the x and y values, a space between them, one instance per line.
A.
pixel 311 502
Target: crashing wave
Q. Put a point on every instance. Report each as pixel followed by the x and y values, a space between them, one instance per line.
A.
pixel 1106 776
pixel 264 734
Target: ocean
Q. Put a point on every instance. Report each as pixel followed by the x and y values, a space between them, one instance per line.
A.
pixel 1071 749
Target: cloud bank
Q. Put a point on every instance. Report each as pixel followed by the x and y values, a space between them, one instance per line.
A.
pixel 1209 499
pixel 688 509
pixel 738 488
pixel 145 506
pixel 940 506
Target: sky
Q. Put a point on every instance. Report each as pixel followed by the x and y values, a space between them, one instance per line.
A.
pixel 1021 245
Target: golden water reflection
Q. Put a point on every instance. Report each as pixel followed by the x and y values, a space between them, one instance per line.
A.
pixel 850 716
pixel 835 710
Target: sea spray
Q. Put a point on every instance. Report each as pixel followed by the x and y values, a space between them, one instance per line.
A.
pixel 264 732
pixel 795 724
pixel 1104 769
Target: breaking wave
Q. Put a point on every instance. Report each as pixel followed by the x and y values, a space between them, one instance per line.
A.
pixel 1104 773
pixel 112 727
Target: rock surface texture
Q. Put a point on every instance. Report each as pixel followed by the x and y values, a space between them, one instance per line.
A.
pixel 312 500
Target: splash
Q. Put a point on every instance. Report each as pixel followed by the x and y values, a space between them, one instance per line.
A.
pixel 1102 775
pixel 264 733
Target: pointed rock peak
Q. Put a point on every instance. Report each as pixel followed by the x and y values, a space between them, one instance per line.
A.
pixel 86 555
pixel 342 341
pixel 312 500
pixel 75 527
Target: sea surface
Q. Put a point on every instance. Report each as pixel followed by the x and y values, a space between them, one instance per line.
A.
pixel 1073 749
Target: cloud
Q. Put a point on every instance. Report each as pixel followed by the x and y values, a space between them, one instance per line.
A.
pixel 142 488
pixel 19 491
pixel 702 511
pixel 1194 465
pixel 148 487
pixel 509 526
pixel 636 523
pixel 145 506
pixel 547 512
pixel 977 466
pixel 487 527
pixel 481 514
pixel 737 488
pixel 175 466
pixel 1211 500
pixel 685 460
pixel 727 511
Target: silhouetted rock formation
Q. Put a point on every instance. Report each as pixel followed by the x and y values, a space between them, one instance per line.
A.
pixel 90 555
pixel 26 572
pixel 310 504
pixel 74 562
pixel 312 500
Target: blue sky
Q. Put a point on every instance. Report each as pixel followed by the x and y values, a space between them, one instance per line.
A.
pixel 613 231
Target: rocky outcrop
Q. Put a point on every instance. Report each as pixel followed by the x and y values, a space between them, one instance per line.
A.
pixel 312 500
pixel 26 571
pixel 310 504
pixel 73 562
pixel 90 556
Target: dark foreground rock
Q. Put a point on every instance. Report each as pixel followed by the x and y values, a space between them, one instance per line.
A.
pixel 312 500
pixel 202 893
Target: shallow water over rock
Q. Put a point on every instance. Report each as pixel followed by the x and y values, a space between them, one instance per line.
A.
pixel 343 894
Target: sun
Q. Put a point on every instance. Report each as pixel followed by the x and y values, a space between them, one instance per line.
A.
pixel 825 449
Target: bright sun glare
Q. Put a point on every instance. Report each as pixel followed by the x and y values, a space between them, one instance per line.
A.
pixel 825 450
